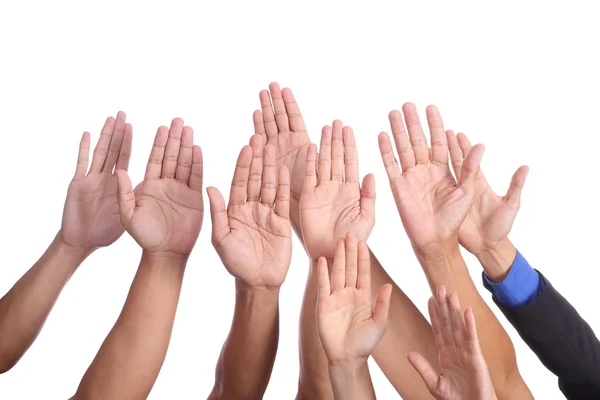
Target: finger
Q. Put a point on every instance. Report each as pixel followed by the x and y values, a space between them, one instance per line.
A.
pixel 439 143
pixel 513 195
pixel 350 156
pixel 415 133
pixel 337 151
pixel 281 117
pixel 218 214
pixel 184 159
pixel 293 111
pixel 367 196
pixel 324 166
pixel 323 273
pixel 115 143
pixel 269 177
pixel 256 168
pixel 444 314
pixel 172 150
pixel 470 168
pixel 456 155
pixel 436 324
pixel 239 185
pixel 387 155
pixel 125 197
pixel 471 327
pixel 424 368
pixel 282 201
pixel 351 260
pixel 259 125
pixel 464 143
pixel 403 146
pixel 101 150
pixel 197 174
pixel 154 168
pixel 125 154
pixel 382 304
pixel 363 280
pixel 268 117
pixel 338 272
pixel 83 156
pixel 458 326
pixel 310 182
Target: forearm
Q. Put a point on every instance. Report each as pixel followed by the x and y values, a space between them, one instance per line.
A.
pixel 131 357
pixel 351 381
pixel 24 309
pixel 443 265
pixel 314 380
pixel 407 330
pixel 244 367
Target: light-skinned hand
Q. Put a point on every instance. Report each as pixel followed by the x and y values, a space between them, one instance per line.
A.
pixel 464 373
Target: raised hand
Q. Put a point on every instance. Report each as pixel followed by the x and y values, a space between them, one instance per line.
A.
pixel 333 202
pixel 91 213
pixel 280 124
pixel 431 203
pixel 348 325
pixel 164 212
pixel 253 234
pixel 464 372
pixel 492 216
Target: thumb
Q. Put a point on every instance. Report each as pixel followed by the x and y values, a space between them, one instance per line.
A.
pixel 218 214
pixel 424 368
pixel 367 195
pixel 125 197
pixel 513 195
pixel 382 304
pixel 470 168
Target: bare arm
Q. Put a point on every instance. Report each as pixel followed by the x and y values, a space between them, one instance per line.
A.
pixel 164 215
pixel 253 238
pixel 130 358
pixel 433 206
pixel 88 222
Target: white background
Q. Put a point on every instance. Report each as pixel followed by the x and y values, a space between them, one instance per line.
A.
pixel 521 78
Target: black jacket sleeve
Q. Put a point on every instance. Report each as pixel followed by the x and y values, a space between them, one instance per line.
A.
pixel 561 339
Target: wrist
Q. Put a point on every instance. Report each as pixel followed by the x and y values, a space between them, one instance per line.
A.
pixel 437 251
pixel 164 258
pixel 497 261
pixel 243 288
pixel 71 254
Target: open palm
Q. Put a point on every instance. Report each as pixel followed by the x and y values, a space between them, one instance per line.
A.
pixel 333 203
pixel 164 212
pixel 348 326
pixel 431 203
pixel 464 371
pixel 281 125
pixel 491 217
pixel 91 212
pixel 252 237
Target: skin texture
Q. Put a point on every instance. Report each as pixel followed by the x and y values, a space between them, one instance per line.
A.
pixel 90 220
pixel 253 237
pixel 349 325
pixel 281 114
pixel 485 231
pixel 164 215
pixel 433 206
pixel 464 373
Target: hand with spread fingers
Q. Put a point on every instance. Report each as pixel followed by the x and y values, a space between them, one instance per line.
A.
pixel 281 125
pixel 333 202
pixel 164 213
pixel 91 213
pixel 465 374
pixel 253 235
pixel 431 203
pixel 349 326
pixel 492 216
